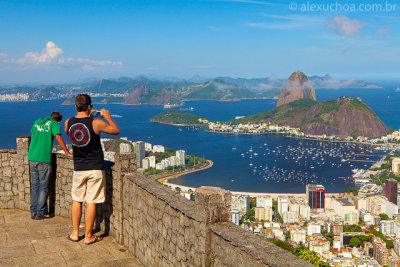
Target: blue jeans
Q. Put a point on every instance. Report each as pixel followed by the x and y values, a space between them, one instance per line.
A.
pixel 40 177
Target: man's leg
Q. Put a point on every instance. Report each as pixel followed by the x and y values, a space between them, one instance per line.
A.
pixel 34 188
pixel 44 178
pixel 95 194
pixel 90 215
pixel 76 213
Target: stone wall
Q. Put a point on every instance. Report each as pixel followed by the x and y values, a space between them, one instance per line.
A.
pixel 158 226
pixel 14 176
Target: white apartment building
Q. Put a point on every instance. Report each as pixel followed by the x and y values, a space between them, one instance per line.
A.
pixel 159 166
pixel 300 206
pixel 125 148
pixel 145 163
pixel 158 149
pixel 264 201
pixel 313 228
pixel 290 217
pixel 180 155
pixel 282 205
pixel 152 161
pixel 345 209
pixel 148 146
pixel 387 227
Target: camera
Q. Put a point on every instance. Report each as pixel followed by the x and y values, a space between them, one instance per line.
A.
pixel 97 113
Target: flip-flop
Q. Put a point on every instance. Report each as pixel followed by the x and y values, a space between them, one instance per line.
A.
pixel 96 239
pixel 73 240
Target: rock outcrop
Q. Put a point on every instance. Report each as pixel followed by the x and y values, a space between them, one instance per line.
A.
pixel 296 87
pixel 136 95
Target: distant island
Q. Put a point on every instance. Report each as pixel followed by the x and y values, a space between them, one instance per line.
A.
pixel 178 118
pixel 346 116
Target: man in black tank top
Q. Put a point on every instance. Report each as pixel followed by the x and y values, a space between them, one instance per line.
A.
pixel 88 183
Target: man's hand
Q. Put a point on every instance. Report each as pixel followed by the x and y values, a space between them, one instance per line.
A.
pixel 105 114
pixel 69 154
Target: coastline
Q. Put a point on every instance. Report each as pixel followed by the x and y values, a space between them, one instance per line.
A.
pixel 299 137
pixel 256 194
pixel 173 124
pixel 164 179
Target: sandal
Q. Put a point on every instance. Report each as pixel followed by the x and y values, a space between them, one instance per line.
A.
pixel 96 239
pixel 73 240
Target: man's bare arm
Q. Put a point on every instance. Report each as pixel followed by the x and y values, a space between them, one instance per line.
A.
pixel 66 126
pixel 109 128
pixel 60 141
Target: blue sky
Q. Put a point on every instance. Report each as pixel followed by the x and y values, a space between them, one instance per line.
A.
pixel 50 41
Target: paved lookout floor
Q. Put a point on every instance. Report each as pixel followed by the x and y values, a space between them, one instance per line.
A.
pixel 27 242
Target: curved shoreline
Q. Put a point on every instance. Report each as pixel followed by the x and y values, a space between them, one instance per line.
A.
pixel 164 179
pixel 173 124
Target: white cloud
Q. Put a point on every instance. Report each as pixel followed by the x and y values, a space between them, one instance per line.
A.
pixel 278 22
pixel 344 26
pixel 51 56
pixel 383 31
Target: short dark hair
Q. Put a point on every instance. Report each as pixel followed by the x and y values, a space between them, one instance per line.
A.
pixel 56 115
pixel 83 102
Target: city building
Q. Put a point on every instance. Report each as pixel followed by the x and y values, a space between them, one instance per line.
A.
pixel 158 149
pixel 316 197
pixel 263 213
pixel 381 253
pixel 319 244
pixel 180 155
pixel 346 210
pixel 300 206
pixel 159 166
pixel 148 147
pixel 139 152
pixel 125 148
pixel 235 217
pixel 165 164
pixel 282 205
pixel 152 161
pixel 145 163
pixel 387 227
pixel 396 166
pixel 337 229
pixel 313 228
pixel 240 203
pixel 264 201
pixel 391 190
pixel 290 217
pixel 297 234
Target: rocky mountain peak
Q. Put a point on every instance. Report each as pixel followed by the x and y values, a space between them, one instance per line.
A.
pixel 297 86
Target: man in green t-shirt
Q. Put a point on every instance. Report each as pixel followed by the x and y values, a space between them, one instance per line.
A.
pixel 43 132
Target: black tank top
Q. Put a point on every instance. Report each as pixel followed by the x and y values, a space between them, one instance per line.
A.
pixel 86 145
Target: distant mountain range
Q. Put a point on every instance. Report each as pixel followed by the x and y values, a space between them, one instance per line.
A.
pixel 174 90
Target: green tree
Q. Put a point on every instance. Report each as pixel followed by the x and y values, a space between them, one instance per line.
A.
pixel 384 216
pixel 355 242
pixel 250 213
pixel 352 228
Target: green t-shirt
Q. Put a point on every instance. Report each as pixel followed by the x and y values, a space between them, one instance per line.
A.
pixel 43 132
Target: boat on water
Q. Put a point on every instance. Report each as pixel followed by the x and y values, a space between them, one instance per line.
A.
pixel 187 109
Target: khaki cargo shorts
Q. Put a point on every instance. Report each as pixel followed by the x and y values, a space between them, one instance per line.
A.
pixel 89 186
